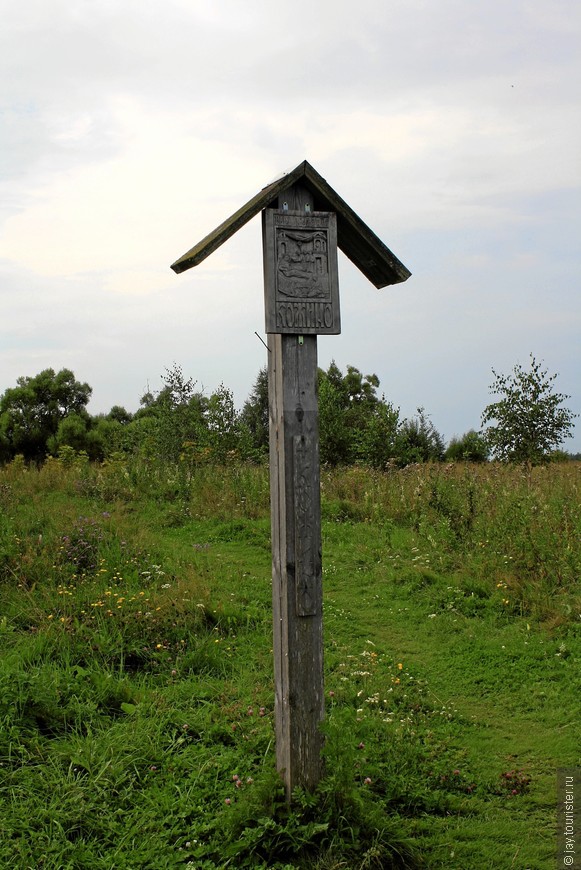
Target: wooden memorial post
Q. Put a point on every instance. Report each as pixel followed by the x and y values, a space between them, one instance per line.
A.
pixel 304 221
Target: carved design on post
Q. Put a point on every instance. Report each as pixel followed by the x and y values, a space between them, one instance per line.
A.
pixel 307 526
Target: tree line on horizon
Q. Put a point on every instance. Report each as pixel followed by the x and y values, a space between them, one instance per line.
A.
pixel 47 414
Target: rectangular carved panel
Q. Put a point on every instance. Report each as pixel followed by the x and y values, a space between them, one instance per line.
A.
pixel 301 280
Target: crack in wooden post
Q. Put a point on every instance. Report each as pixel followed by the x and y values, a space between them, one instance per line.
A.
pixel 307 525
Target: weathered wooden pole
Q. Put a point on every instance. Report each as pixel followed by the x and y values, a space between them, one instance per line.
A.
pixel 301 296
pixel 297 596
pixel 304 221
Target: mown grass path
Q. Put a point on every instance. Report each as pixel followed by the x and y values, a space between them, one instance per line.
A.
pixel 507 689
pixel 513 690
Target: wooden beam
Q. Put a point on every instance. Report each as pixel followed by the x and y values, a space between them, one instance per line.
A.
pixel 296 558
pixel 297 589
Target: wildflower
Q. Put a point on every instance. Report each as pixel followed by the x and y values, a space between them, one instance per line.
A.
pixel 331 694
pixel 227 802
pixel 361 746
pixel 400 666
pixel 367 780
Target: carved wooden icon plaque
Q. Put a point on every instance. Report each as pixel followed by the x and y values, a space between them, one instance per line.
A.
pixel 301 283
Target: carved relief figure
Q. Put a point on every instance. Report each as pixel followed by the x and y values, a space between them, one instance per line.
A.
pixel 302 269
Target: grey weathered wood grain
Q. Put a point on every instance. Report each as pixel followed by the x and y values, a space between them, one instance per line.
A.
pixel 296 558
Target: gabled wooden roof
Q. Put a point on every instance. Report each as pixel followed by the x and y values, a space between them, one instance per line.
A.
pixel 354 237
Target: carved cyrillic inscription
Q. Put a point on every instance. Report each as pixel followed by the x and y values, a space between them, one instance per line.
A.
pixel 303 316
pixel 301 285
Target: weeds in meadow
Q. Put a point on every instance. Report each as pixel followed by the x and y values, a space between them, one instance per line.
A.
pixel 136 713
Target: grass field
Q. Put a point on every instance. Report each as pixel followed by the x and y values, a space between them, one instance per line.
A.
pixel 136 669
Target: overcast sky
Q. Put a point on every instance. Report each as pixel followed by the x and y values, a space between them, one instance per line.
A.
pixel 131 128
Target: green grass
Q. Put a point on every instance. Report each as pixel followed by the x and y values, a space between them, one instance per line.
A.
pixel 136 691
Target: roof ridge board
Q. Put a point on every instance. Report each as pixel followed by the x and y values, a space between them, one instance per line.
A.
pixel 354 237
pixel 346 214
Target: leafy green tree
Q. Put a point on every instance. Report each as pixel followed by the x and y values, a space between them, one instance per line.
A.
pixel 377 440
pixel 344 402
pixel 418 440
pixel 334 435
pixel 529 419
pixel 471 447
pixel 98 436
pixel 119 415
pixel 224 432
pixel 72 432
pixel 254 414
pixel 6 453
pixel 181 427
pixel 356 425
pixel 31 412
pixel 169 420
